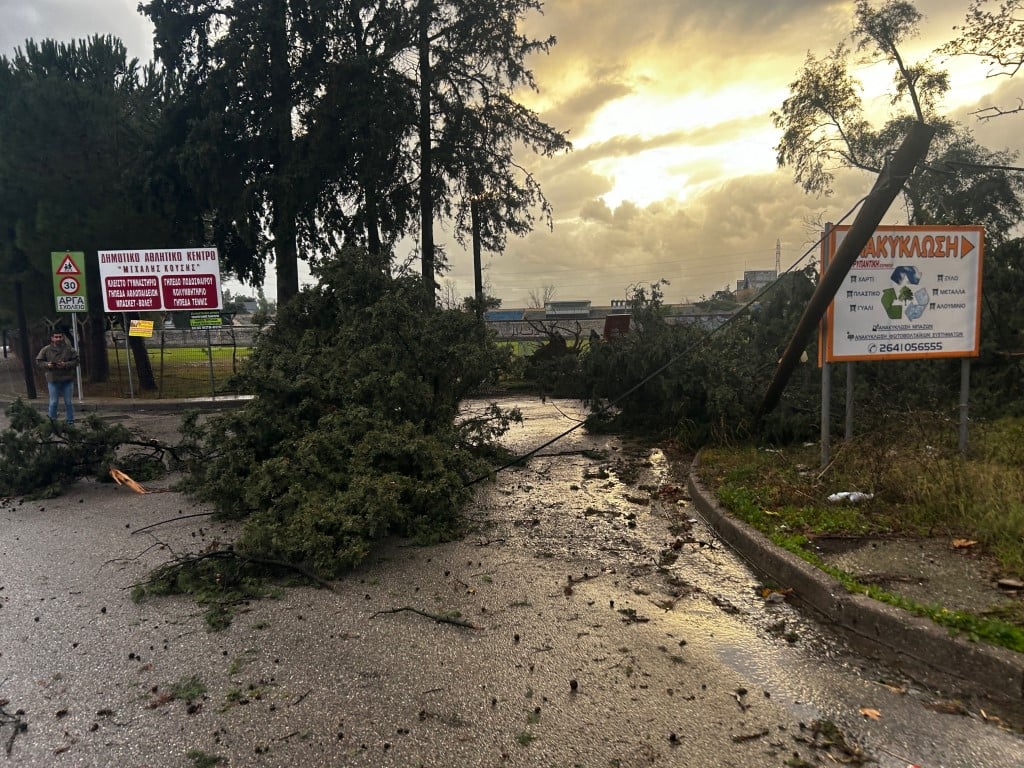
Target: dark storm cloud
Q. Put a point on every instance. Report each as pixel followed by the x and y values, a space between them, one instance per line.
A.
pixel 575 112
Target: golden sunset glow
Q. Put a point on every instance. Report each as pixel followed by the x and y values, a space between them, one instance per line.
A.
pixel 668 104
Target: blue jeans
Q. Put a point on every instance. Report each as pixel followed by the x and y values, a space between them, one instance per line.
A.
pixel 59 389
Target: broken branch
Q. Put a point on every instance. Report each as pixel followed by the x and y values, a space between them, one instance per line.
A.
pixel 438 617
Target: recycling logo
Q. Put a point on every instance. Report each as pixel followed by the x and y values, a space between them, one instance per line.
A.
pixel 908 299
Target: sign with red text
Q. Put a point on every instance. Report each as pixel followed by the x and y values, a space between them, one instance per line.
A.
pixel 913 292
pixel 170 280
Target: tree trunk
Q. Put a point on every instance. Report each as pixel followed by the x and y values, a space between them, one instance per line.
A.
pixel 27 358
pixel 478 278
pixel 95 363
pixel 888 184
pixel 373 243
pixel 426 157
pixel 282 195
pixel 143 368
pixel 137 345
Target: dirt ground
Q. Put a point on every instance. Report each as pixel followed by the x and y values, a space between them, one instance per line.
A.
pixel 930 571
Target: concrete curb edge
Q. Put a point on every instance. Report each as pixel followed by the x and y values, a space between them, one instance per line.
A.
pixel 100 405
pixel 918 646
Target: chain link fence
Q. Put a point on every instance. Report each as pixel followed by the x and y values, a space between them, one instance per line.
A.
pixel 172 363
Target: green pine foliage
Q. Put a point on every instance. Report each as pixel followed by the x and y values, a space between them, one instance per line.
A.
pixel 704 386
pixel 699 385
pixel 620 371
pixel 40 457
pixel 355 432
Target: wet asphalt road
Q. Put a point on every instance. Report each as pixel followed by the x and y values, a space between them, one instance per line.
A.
pixel 609 628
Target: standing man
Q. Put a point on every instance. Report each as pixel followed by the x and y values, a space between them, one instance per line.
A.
pixel 59 360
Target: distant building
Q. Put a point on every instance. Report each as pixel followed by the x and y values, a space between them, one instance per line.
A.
pixel 567 310
pixel 704 316
pixel 608 322
pixel 503 315
pixel 756 279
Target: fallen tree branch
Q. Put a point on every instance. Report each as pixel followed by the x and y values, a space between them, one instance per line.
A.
pixel 123 479
pixel 18 726
pixel 439 618
pixel 187 560
pixel 740 738
pixel 488 542
pixel 299 569
pixel 170 520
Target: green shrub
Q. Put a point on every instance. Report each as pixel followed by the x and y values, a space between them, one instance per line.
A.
pixel 355 434
pixel 699 384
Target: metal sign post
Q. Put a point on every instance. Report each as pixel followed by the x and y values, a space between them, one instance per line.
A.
pixel 74 343
pixel 128 354
pixel 70 295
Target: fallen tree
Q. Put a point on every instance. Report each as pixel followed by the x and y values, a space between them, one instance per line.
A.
pixel 355 433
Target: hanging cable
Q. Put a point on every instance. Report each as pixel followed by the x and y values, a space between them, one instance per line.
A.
pixel 658 371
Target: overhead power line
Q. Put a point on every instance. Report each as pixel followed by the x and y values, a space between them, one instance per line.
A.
pixel 744 309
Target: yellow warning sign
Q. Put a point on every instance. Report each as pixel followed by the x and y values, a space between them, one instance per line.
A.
pixel 142 328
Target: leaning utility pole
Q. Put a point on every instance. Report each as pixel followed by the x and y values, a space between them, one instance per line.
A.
pixel 889 183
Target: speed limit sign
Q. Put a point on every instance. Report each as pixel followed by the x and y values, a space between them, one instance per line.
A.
pixel 69 288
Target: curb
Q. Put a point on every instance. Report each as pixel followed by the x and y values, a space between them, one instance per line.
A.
pixel 121 405
pixel 919 647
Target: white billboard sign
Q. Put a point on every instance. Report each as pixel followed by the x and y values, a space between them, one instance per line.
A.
pixel 914 291
pixel 182 279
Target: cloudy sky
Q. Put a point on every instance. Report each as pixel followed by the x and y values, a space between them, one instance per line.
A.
pixel 668 104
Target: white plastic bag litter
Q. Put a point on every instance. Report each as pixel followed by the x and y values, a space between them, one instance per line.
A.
pixel 851 496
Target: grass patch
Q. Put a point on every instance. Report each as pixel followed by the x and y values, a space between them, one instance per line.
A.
pixel 179 371
pixel 525 738
pixel 188 689
pixel 202 759
pixel 239 663
pixel 1004 629
pixel 922 486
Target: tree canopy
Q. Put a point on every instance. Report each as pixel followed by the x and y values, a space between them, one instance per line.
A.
pixel 308 125
pixel 825 127
pixel 994 32
pixel 77 121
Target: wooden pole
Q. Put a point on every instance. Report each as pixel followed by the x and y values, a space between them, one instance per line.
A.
pixel 889 183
